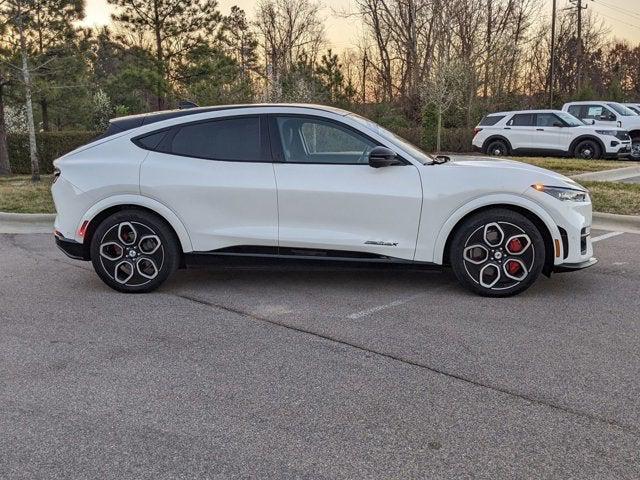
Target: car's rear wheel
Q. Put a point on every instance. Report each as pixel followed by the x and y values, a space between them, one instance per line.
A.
pixel 587 150
pixel 497 148
pixel 497 253
pixel 134 251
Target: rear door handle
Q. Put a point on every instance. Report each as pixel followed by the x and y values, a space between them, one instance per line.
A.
pixel 507 128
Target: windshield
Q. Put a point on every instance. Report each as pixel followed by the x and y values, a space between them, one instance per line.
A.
pixel 635 109
pixel 417 153
pixel 622 110
pixel 569 119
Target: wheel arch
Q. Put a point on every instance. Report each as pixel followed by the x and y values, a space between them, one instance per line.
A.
pixel 490 139
pixel 634 133
pixel 543 222
pixel 581 138
pixel 103 209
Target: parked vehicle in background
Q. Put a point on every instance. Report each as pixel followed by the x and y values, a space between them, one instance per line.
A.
pixel 162 190
pixel 609 114
pixel 635 107
pixel 547 132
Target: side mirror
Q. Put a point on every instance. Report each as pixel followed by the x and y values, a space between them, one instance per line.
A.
pixel 619 124
pixel 382 157
pixel 558 124
pixel 589 121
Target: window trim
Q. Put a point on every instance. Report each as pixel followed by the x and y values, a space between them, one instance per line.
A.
pixel 277 151
pixel 265 154
pixel 533 120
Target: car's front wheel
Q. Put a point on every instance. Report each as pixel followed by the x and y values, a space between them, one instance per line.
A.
pixel 497 253
pixel 134 251
pixel 587 150
pixel 635 148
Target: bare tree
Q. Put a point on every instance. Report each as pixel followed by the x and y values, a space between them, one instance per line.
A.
pixel 444 90
pixel 289 31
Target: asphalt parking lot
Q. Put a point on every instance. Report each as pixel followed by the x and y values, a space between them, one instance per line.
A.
pixel 291 372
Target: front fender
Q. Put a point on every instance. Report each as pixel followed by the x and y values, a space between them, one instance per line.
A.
pixel 141 201
pixel 497 200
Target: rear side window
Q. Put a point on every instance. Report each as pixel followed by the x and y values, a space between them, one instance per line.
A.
pixel 233 139
pixel 522 120
pixel 151 142
pixel 491 120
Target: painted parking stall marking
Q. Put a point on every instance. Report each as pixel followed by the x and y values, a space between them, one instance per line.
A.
pixel 605 236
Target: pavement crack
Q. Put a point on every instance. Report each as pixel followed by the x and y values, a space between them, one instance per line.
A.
pixel 533 400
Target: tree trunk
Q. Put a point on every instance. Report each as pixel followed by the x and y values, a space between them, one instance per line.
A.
pixel 26 77
pixel 439 131
pixel 5 166
pixel 44 107
pixel 159 56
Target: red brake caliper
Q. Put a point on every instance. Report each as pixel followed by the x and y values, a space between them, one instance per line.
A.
pixel 513 267
pixel 515 246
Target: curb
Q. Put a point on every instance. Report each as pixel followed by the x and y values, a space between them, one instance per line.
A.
pixel 609 175
pixel 624 223
pixel 27 217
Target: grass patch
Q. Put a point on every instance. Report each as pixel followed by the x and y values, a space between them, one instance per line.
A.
pixel 614 197
pixel 18 194
pixel 573 166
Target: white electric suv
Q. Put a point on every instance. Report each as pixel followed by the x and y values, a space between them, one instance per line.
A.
pixel 548 132
pixel 634 107
pixel 160 191
pixel 609 115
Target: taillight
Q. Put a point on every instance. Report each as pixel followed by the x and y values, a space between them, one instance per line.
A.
pixel 56 174
pixel 476 131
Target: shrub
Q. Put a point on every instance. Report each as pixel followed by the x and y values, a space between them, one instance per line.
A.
pixel 51 145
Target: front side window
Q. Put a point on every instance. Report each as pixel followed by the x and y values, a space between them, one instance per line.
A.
pixel 521 120
pixel 547 120
pixel 232 139
pixel 598 112
pixel 313 140
pixel 570 120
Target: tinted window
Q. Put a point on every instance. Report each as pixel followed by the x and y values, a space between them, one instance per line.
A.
pixel 546 120
pixel 522 120
pixel 313 140
pixel 635 109
pixel 490 120
pixel 576 111
pixel 151 142
pixel 236 139
pixel 621 109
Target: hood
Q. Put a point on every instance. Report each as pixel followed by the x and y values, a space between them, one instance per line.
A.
pixel 512 168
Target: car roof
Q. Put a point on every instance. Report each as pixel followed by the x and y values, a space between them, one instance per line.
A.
pixel 523 111
pixel 587 102
pixel 122 124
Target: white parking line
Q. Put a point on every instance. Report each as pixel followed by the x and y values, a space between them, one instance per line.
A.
pixel 605 236
pixel 395 303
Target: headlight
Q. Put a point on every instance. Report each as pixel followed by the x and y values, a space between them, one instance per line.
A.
pixel 563 193
pixel 606 132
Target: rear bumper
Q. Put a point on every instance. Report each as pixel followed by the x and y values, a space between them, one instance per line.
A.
pixel 572 267
pixel 71 248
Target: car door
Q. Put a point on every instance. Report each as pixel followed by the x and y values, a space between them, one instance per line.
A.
pixel 520 130
pixel 217 176
pixel 329 198
pixel 551 132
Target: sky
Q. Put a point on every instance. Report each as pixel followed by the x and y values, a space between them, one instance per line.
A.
pixel 622 17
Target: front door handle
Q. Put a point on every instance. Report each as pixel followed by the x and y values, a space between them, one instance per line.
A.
pixel 540 129
pixel 507 128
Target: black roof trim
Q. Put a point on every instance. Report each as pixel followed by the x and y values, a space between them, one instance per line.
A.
pixel 122 124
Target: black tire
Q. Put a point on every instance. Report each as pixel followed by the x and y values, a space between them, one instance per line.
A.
pixel 503 272
pixel 635 148
pixel 141 263
pixel 497 148
pixel 587 150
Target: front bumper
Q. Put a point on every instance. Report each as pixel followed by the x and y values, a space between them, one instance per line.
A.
pixel 572 267
pixel 71 248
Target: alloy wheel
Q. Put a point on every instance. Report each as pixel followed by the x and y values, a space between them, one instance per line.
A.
pixel 131 253
pixel 498 255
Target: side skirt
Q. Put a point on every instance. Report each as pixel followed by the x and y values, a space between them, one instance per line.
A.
pixel 247 255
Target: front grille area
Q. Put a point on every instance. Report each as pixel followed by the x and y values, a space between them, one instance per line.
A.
pixel 622 135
